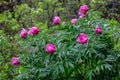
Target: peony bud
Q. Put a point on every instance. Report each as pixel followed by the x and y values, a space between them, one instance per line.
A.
pixel 98 30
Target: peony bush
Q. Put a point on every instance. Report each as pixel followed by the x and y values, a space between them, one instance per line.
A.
pixel 83 51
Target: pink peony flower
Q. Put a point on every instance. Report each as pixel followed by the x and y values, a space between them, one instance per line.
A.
pixel 23 33
pixel 50 48
pixel 83 9
pixel 15 61
pixel 56 20
pixel 33 31
pixel 73 21
pixel 98 30
pixel 82 39
pixel 118 19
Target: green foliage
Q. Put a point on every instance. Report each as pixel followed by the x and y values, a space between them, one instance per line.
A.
pixel 22 16
pixel 95 60
pixel 8 48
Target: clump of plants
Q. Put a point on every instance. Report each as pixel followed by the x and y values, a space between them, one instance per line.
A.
pixel 80 50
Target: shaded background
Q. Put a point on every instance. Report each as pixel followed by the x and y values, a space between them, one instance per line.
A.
pixel 15 14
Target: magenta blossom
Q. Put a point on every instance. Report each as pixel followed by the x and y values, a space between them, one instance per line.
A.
pixel 50 48
pixel 33 31
pixel 15 61
pixel 73 21
pixel 23 33
pixel 118 19
pixel 98 30
pixel 82 39
pixel 56 20
pixel 83 9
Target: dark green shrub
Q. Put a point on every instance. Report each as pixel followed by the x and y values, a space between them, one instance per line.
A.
pixel 95 60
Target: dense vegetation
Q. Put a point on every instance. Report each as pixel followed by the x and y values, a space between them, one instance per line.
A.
pixel 55 40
